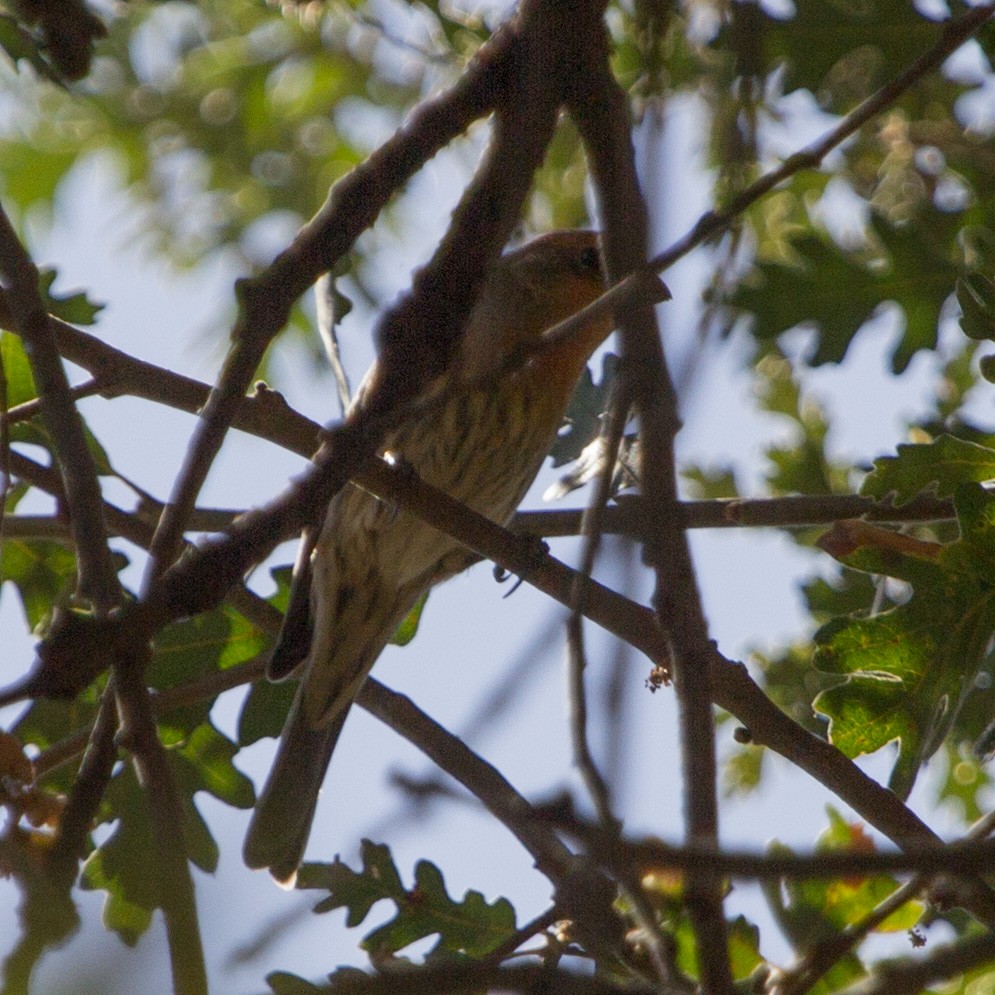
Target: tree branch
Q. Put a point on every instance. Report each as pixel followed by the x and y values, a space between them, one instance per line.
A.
pixel 600 108
pixel 139 734
pixel 97 577
pixel 955 33
pixel 352 205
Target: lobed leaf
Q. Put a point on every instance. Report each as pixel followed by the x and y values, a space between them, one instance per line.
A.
pixel 472 927
pixel 909 670
pixel 939 466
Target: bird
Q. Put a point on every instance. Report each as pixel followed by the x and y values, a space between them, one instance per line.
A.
pixel 483 444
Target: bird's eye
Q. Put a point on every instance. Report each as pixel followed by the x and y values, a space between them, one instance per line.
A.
pixel 589 259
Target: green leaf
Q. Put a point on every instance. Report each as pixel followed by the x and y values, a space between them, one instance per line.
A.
pixel 48 722
pixel 76 308
pixel 665 892
pixel 790 680
pixel 967 782
pixel 909 670
pixel 802 466
pixel 851 899
pixel 125 866
pixel 196 648
pixel 209 643
pixel 710 483
pixel 266 706
pixel 741 771
pixel 939 466
pixel 358 891
pixel 839 50
pixel 283 983
pixel 408 628
pixel 126 918
pixel 283 578
pixel 21 388
pixel 186 652
pixel 558 192
pixel 744 947
pixel 19 44
pixel 919 273
pixel 837 292
pixel 815 910
pixel 31 180
pixel 204 763
pixel 472 927
pixel 17 370
pixel 851 591
pixel 42 571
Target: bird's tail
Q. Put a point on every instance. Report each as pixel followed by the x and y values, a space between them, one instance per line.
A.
pixel 281 822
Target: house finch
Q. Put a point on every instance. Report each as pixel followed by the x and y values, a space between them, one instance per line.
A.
pixel 372 561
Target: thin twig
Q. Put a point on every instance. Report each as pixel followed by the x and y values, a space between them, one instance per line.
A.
pixel 955 33
pixel 30 409
pixel 204 689
pixel 469 978
pixel 485 781
pixel 583 893
pixel 596 785
pixel 327 319
pixel 89 785
pixel 583 758
pixel 798 511
pixel 133 527
pixel 371 23
pixel 539 924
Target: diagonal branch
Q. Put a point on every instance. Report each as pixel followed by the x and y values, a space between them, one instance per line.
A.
pixel 352 206
pixel 417 334
pixel 954 34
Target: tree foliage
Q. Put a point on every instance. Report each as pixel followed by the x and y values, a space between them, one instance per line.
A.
pixel 233 124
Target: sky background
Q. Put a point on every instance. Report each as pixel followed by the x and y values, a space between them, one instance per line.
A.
pixel 470 634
